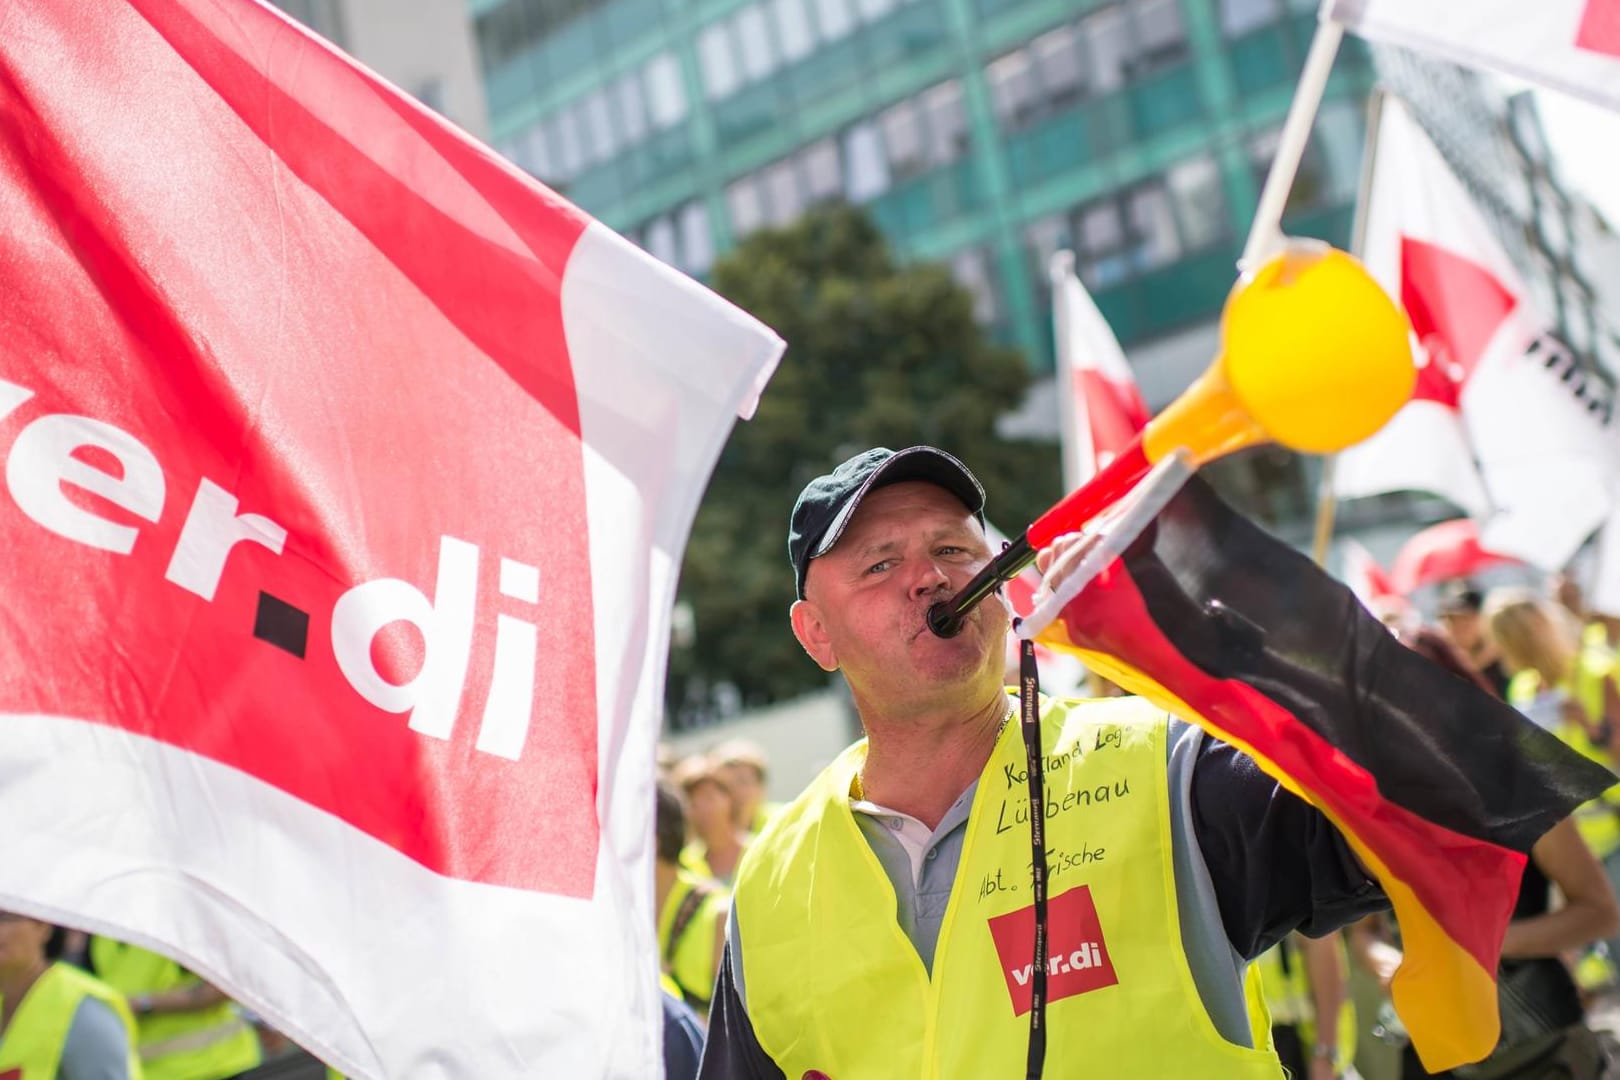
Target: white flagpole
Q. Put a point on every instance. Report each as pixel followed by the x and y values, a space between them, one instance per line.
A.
pixel 1079 450
pixel 1265 235
pixel 1327 503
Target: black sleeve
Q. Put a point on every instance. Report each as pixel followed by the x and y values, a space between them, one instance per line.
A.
pixel 732 1052
pixel 683 1041
pixel 1276 861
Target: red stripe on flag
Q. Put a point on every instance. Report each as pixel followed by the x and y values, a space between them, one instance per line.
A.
pixel 1600 27
pixel 1456 306
pixel 1469 886
pixel 383 373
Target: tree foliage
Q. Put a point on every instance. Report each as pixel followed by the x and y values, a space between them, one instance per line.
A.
pixel 879 354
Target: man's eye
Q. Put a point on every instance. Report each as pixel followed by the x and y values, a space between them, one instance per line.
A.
pixel 879 567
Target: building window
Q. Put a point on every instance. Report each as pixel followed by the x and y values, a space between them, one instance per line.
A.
pixel 1101 241
pixel 835 17
pixel 719 64
pixel 1238 17
pixel 866 170
pixel 661 240
pixel 530 153
pixel 666 98
pixel 1160 33
pixel 903 138
pixel 781 184
pixel 566 140
pixel 822 176
pixel 1339 132
pixel 793 31
pixel 754 38
pixel 697 242
pixel 601 144
pixel 1012 88
pixel 1200 204
pixel 1057 60
pixel 632 108
pixel 1153 228
pixel 1108 41
pixel 971 269
pixel 744 204
pixel 947 122
pixel 1044 238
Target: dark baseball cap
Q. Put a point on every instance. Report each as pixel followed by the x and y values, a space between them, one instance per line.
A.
pixel 1459 597
pixel 828 502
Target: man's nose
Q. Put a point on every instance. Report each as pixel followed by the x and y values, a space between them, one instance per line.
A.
pixel 931 578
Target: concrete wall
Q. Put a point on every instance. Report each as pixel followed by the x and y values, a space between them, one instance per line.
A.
pixel 799 738
pixel 424 47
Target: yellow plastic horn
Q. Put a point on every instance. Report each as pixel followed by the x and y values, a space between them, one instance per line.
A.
pixel 1314 355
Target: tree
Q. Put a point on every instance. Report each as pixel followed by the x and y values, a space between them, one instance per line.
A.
pixel 878 354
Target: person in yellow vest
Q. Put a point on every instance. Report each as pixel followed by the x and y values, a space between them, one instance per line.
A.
pixel 882 924
pixel 1301 979
pixel 742 765
pixel 56 1022
pixel 691 911
pixel 1573 688
pixel 188 1029
pixel 717 842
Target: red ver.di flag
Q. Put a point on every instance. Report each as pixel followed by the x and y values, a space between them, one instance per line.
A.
pixel 1502 421
pixel 1570 45
pixel 347 473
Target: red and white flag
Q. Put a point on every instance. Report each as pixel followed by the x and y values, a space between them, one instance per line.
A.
pixel 1364 575
pixel 1501 422
pixel 347 474
pixel 1098 400
pixel 1570 45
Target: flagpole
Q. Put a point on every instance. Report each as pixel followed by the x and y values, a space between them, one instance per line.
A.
pixel 1265 235
pixel 1327 502
pixel 1076 422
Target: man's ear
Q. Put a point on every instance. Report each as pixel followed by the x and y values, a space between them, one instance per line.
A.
pixel 812 634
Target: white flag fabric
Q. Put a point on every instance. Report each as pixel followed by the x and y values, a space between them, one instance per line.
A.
pixel 1603 593
pixel 1362 573
pixel 1098 399
pixel 1570 45
pixel 1501 422
pixel 1062 673
pixel 347 475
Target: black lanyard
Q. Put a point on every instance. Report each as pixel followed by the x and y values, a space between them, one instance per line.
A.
pixel 1029 707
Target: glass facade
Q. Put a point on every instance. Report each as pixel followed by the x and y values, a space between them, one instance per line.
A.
pixel 981 133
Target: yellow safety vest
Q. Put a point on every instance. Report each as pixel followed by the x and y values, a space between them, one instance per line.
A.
pixel 689 961
pixel 834 985
pixel 1287 990
pixel 763 815
pixel 204 1044
pixel 31 1048
pixel 1598 820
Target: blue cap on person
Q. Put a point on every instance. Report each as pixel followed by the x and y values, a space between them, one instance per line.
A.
pixel 828 502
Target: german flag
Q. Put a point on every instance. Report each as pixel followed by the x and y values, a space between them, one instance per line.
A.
pixel 1440 788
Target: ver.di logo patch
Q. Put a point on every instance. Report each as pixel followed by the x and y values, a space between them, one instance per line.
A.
pixel 1077 953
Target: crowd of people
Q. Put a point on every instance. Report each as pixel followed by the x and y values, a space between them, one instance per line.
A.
pixel 74 1006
